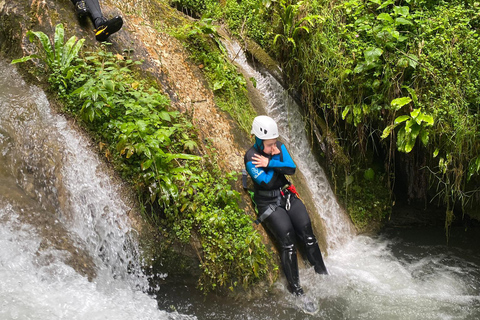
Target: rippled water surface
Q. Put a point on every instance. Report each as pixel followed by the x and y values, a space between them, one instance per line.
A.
pixel 401 274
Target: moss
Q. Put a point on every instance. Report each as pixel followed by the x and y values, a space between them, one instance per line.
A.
pixel 365 196
pixel 10 38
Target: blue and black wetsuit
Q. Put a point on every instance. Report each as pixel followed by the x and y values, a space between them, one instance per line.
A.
pixel 272 177
pixel 284 224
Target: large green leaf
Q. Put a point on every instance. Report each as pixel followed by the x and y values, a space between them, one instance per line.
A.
pixel 410 143
pixel 403 21
pixel 415 113
pixel 70 51
pixel 428 119
pixel 401 119
pixel 398 103
pixel 24 59
pixel 146 164
pixel 424 137
pixel 414 130
pixel 141 125
pixel 58 42
pixel 412 93
pixel 401 139
pixel 385 17
pixel 386 132
pixel 47 46
pixel 372 54
pixel 401 10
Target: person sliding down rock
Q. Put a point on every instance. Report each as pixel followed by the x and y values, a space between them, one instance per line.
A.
pixel 103 27
pixel 279 207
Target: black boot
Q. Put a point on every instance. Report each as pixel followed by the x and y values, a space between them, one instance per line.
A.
pixel 81 9
pixel 104 28
pixel 313 252
pixel 290 268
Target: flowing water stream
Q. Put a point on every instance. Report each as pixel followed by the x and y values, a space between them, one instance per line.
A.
pixel 291 126
pixel 67 250
pixel 61 221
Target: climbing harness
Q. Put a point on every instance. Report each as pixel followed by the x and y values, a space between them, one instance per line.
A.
pixel 285 192
pixel 271 208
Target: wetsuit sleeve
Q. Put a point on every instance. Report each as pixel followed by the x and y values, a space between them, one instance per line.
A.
pixel 259 175
pixel 283 162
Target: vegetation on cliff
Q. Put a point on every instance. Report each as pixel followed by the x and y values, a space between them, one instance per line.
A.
pixel 393 86
pixel 184 192
pixel 229 86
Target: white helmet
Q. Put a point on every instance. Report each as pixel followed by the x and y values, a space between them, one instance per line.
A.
pixel 264 128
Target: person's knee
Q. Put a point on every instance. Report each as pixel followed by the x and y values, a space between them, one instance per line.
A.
pixel 307 235
pixel 310 241
pixel 287 242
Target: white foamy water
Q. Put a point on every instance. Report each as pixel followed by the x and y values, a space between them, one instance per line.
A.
pixel 369 281
pixel 62 220
pixel 37 284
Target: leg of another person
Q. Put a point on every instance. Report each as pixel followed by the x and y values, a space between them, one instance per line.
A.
pixel 103 27
pixel 95 12
pixel 81 8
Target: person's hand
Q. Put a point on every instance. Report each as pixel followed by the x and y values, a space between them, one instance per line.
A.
pixel 275 150
pixel 260 161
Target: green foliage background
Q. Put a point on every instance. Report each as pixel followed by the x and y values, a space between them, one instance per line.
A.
pixel 388 82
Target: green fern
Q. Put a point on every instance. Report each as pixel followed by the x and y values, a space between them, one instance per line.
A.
pixel 58 56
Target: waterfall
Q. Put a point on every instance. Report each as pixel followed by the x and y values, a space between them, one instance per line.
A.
pixel 67 247
pixel 284 110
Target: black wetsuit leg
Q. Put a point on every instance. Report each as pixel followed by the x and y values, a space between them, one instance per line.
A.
pixel 303 227
pixel 95 12
pixel 298 214
pixel 279 224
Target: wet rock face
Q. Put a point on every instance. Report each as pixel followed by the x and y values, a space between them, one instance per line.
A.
pixel 32 190
pixel 9 37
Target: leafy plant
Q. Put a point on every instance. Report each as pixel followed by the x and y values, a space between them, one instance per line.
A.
pixel 208 210
pixel 351 73
pixel 58 55
pixel 136 121
pixel 414 125
pixel 204 26
pixel 372 60
pixel 291 27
